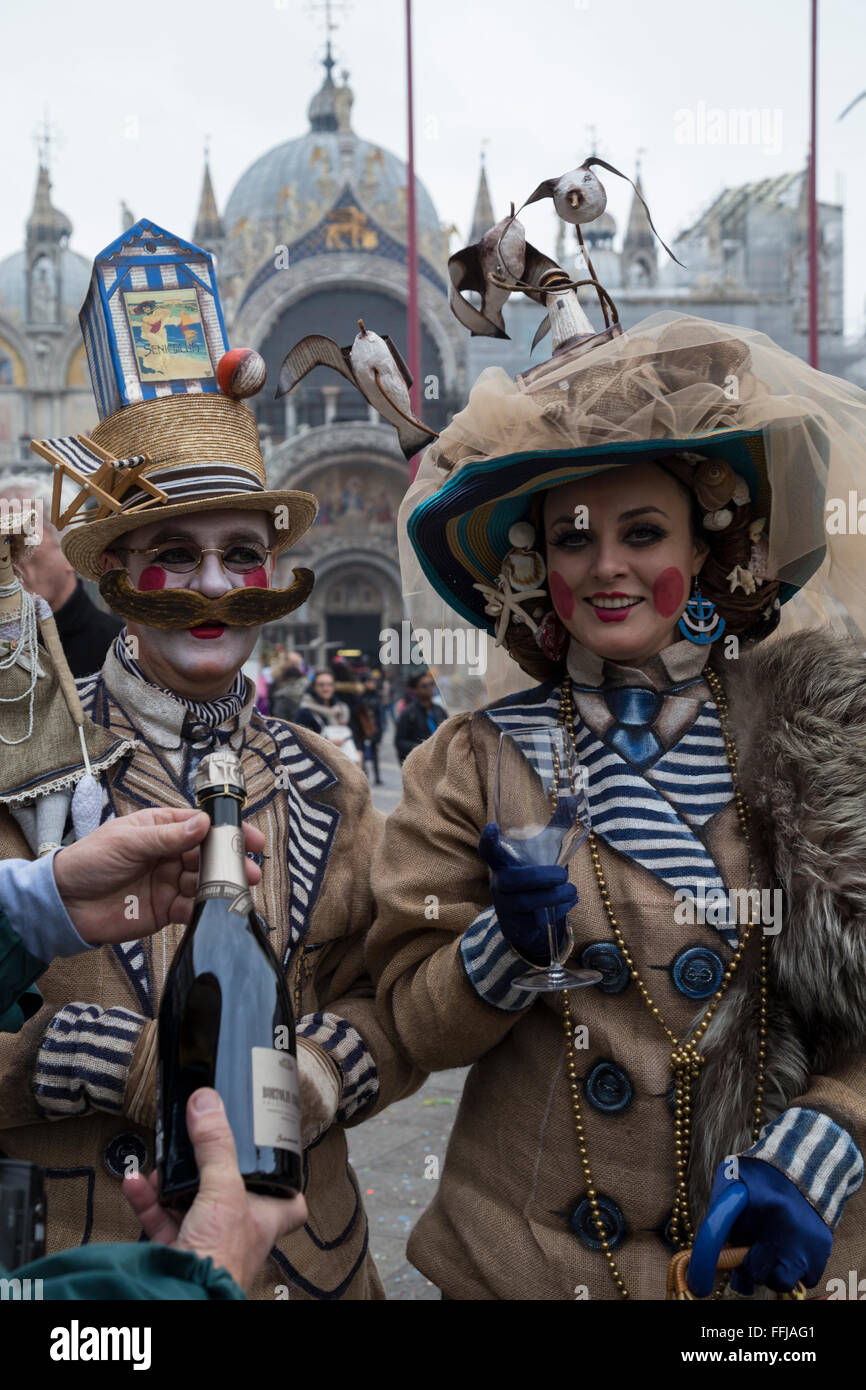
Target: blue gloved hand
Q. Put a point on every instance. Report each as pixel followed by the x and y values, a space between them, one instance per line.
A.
pixel 521 895
pixel 765 1210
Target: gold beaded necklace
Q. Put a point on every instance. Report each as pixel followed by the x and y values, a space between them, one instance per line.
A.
pixel 686 1059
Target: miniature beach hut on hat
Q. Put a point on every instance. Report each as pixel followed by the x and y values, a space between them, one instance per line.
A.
pixel 174 435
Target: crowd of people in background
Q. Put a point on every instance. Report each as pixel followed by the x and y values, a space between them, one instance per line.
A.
pixel 350 703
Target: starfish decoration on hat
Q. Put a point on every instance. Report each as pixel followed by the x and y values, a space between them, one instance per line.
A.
pixel 503 604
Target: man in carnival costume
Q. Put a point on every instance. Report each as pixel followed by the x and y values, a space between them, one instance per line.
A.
pixel 628 520
pixel 182 535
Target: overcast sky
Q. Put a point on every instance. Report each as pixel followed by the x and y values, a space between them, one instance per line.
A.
pixel 134 93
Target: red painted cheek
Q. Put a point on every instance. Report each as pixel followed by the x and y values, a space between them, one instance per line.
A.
pixel 563 598
pixel 256 579
pixel 153 577
pixel 668 592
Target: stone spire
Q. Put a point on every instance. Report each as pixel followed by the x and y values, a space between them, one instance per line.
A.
pixel 323 110
pixel 639 260
pixel 209 231
pixel 46 226
pixel 482 218
pixel 48 232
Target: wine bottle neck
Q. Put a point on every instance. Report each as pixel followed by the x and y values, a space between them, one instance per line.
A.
pixel 223 810
pixel 222 866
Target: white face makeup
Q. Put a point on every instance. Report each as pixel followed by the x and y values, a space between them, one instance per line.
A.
pixel 199 663
pixel 621 583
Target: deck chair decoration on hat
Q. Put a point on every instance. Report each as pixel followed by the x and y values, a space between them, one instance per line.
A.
pixel 175 436
pixel 96 473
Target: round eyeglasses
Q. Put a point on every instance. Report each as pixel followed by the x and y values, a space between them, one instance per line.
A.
pixel 186 557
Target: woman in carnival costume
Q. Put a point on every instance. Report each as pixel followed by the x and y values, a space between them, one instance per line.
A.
pixel 630 521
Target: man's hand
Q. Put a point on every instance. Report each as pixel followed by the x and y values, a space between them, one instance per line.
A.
pixel 234 1227
pixel 151 855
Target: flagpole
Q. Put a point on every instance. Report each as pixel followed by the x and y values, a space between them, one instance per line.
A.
pixel 413 323
pixel 813 200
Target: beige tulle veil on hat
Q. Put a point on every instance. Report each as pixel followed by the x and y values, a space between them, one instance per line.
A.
pixel 671 383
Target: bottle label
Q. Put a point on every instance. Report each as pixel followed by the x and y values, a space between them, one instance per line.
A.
pixel 276 1101
pixel 222 869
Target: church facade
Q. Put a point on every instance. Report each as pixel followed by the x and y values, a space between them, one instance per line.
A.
pixel 312 238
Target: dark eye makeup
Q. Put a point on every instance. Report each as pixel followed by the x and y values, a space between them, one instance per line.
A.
pixel 642 533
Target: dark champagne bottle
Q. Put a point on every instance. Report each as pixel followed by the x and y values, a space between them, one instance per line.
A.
pixel 225 1019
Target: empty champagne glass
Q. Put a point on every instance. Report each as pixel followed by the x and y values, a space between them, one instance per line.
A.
pixel 541 808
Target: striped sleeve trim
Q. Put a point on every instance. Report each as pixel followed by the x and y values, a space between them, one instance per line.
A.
pixel 347 1048
pixel 492 963
pixel 816 1154
pixel 84 1059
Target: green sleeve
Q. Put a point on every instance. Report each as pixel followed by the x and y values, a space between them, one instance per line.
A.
pixel 127 1272
pixel 19 999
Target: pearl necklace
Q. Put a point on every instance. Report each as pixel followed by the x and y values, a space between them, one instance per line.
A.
pixel 686 1058
pixel 27 645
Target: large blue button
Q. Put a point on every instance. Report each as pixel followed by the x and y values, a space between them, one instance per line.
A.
pixel 605 956
pixel 612 1219
pixel 608 1087
pixel 697 972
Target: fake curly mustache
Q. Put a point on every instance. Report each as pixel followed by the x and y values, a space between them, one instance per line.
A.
pixel 185 608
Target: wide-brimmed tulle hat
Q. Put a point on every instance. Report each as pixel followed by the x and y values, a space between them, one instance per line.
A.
pixel 674 384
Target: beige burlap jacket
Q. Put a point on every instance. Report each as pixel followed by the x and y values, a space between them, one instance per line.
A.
pixel 69 1079
pixel 510 1218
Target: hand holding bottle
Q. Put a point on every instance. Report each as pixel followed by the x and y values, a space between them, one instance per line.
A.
pixel 232 1226
pixel 152 855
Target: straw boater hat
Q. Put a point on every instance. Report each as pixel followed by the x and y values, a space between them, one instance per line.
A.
pixel 174 435
pixel 762 440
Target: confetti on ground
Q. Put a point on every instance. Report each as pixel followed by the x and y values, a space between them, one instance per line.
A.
pixel 439 1100
pixel 370 1191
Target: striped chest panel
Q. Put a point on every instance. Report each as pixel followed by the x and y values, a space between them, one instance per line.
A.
pixel 651 819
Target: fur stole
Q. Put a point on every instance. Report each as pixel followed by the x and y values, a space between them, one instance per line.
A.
pixel 798 715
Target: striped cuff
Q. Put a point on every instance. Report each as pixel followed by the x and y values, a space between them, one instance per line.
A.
pixel 347 1048
pixel 492 963
pixel 818 1156
pixel 84 1059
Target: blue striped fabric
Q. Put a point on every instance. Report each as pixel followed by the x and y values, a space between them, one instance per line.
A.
pixel 816 1154
pixel 312 823
pixel 492 963
pixel 648 821
pixel 84 1058
pixel 698 760
pixel 345 1045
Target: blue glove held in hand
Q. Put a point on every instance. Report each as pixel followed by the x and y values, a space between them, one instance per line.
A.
pixel 765 1210
pixel 521 895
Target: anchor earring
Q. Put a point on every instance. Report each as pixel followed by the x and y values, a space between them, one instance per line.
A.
pixel 701 623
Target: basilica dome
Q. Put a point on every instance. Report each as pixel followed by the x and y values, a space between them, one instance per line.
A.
pixel 291 187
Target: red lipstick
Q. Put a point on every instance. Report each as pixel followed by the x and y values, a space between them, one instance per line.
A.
pixel 208 630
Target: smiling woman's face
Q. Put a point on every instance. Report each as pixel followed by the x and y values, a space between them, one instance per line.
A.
pixel 620 584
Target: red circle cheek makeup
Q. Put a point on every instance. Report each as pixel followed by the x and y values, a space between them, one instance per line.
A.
pixel 153 577
pixel 256 579
pixel 563 598
pixel 668 592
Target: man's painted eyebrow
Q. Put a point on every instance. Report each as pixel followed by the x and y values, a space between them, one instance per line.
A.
pixel 170 534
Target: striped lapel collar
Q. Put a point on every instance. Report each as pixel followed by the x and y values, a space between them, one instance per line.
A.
pixel 628 811
pixel 312 824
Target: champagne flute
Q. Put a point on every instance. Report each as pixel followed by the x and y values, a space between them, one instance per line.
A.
pixel 541 808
